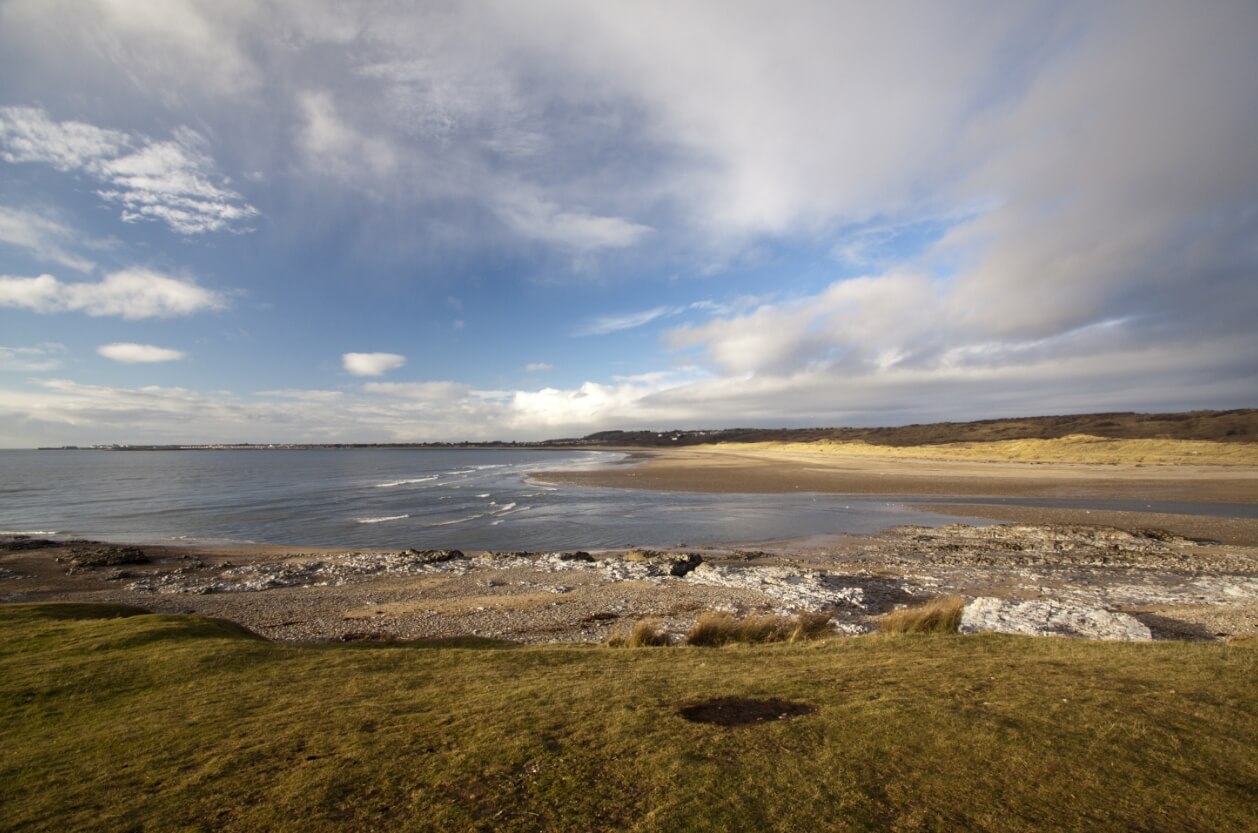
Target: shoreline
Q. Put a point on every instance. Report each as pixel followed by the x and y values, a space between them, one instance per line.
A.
pixel 929 484
pixel 1158 584
pixel 1174 576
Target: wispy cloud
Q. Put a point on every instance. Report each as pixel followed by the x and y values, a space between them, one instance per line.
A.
pixel 371 364
pixel 129 293
pixel 44 237
pixel 606 324
pixel 37 359
pixel 420 391
pixel 129 353
pixel 304 395
pixel 173 181
pixel 333 145
pixel 538 367
pixel 541 219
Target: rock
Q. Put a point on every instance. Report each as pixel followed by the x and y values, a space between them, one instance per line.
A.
pixel 793 589
pixel 580 555
pixel 1050 618
pixel 88 558
pixel 664 563
pixel 430 556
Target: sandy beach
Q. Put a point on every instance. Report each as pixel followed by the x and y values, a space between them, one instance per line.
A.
pixel 753 469
pixel 1160 575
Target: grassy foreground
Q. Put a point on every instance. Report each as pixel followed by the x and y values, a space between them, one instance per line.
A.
pixel 120 722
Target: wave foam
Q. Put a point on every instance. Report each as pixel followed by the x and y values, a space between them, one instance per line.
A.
pixel 380 520
pixel 406 482
pixel 457 520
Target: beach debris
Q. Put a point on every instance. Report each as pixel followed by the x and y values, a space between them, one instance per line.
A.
pixel 1050 618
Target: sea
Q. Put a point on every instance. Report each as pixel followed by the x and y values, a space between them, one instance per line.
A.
pixel 490 499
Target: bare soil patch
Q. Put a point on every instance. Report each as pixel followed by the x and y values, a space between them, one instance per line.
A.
pixel 732 712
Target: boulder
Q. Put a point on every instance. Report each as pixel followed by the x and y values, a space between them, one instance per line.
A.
pixel 1043 617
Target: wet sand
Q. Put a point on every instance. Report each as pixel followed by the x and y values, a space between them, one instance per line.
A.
pixel 711 469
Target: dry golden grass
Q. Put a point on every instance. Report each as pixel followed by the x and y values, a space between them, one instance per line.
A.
pixel 942 615
pixel 113 720
pixel 644 634
pixel 716 629
pixel 1076 448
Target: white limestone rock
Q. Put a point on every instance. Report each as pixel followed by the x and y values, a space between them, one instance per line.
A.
pixel 1050 618
pixel 792 589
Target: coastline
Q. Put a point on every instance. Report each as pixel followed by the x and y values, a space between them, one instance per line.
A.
pixel 726 470
pixel 1182 576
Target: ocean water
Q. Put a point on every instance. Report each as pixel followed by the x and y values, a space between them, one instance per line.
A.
pixel 426 499
pixel 469 499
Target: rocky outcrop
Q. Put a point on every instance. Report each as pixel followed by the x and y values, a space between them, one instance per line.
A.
pixel 793 589
pixel 1049 618
pixel 665 563
pixel 91 557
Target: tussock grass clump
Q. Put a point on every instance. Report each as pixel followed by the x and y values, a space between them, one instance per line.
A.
pixel 942 615
pixel 716 629
pixel 645 634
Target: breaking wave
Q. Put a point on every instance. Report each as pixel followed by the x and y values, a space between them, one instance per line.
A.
pixel 380 520
pixel 406 482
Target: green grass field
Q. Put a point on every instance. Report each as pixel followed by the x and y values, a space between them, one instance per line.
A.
pixel 162 723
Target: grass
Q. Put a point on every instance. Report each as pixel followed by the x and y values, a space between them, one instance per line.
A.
pixel 717 629
pixel 177 723
pixel 1076 448
pixel 644 634
pixel 938 616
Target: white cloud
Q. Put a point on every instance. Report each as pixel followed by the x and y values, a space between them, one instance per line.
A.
pixel 371 364
pixel 28 135
pixel 128 353
pixel 130 293
pixel 167 49
pixel 37 359
pixel 541 219
pixel 173 181
pixel 1013 178
pixel 304 395
pixel 538 367
pixel 1101 369
pixel 606 324
pixel 420 391
pixel 332 145
pixel 42 236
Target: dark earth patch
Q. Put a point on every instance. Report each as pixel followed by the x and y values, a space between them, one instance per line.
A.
pixel 742 711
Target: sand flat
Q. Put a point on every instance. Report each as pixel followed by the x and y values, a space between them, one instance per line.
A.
pixel 781 468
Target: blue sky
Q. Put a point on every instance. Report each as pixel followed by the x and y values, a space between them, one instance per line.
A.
pixel 336 221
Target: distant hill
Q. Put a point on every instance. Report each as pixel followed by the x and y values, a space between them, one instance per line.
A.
pixel 1221 426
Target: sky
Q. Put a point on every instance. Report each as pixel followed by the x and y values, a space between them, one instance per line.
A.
pixel 332 221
